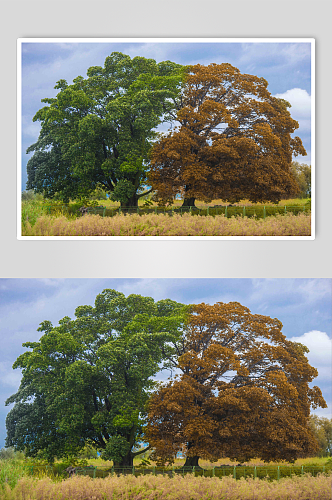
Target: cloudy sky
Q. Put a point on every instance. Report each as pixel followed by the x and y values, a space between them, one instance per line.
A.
pixel 286 67
pixel 302 305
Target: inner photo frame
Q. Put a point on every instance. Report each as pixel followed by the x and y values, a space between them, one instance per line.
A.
pixel 133 138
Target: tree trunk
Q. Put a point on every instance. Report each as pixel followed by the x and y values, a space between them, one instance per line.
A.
pixel 127 461
pixel 188 202
pixel 191 461
pixel 130 203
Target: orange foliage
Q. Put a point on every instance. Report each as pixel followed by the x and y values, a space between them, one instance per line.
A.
pixel 243 391
pixel 234 141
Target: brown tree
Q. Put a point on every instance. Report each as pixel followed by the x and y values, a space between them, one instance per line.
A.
pixel 242 391
pixel 234 141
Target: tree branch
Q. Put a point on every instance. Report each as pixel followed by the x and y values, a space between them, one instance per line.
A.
pixel 139 452
pixel 145 193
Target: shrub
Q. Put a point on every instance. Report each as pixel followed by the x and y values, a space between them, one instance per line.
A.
pixel 98 194
pixel 10 454
pixel 88 452
pixel 30 195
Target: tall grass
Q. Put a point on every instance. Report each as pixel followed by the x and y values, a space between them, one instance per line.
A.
pixel 31 210
pixel 11 471
pixel 34 207
pixel 165 225
pixel 162 488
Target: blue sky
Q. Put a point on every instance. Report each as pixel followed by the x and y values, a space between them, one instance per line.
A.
pixel 286 67
pixel 302 305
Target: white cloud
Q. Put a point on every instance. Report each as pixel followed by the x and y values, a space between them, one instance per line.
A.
pixel 299 99
pixel 300 111
pixel 320 350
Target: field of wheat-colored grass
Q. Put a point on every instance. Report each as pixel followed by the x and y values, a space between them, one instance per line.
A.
pixel 165 225
pixel 47 483
pixel 164 488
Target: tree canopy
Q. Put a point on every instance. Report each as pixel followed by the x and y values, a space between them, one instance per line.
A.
pixel 98 131
pixel 233 142
pixel 87 380
pixel 242 391
pixel 234 139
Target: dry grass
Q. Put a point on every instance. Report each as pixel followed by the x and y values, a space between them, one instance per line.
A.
pixel 165 225
pixel 164 488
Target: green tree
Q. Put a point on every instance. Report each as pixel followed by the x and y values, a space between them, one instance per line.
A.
pixel 322 429
pixel 87 381
pixel 98 131
pixel 302 174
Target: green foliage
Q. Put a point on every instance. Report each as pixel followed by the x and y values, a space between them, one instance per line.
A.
pixel 87 380
pixel 88 452
pixel 33 206
pixel 11 471
pixel 31 211
pixel 145 462
pixel 71 461
pixel 98 194
pixel 85 202
pixel 322 429
pixel 97 132
pixel 10 454
pixel 302 174
pixel 30 195
pixel 123 191
pixel 116 448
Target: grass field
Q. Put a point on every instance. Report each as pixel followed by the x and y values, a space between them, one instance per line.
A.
pixel 310 461
pixel 40 218
pixel 15 484
pixel 165 225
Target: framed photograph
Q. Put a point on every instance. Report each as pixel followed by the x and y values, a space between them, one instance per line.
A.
pixel 192 379
pixel 175 138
